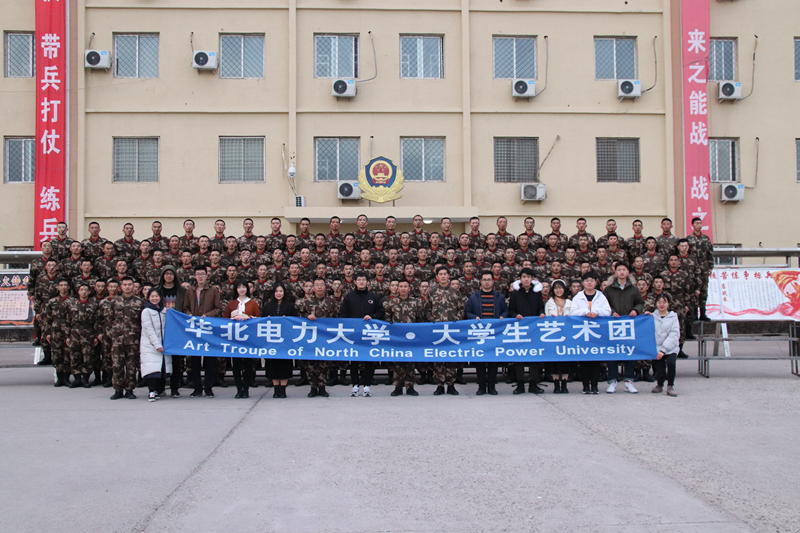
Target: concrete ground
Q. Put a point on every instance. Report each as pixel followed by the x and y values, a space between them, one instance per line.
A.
pixel 721 457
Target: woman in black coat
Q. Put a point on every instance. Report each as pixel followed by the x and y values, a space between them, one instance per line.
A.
pixel 280 370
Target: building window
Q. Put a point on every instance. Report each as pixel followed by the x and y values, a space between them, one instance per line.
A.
pixel 614 58
pixel 336 158
pixel 241 56
pixel 20 56
pixel 421 57
pixel 335 56
pixel 516 160
pixel 797 60
pixel 726 261
pixel 135 159
pixel 514 57
pixel 723 157
pixel 722 60
pixel 618 160
pixel 422 158
pixel 136 55
pixel 241 159
pixel 797 155
pixel 20 160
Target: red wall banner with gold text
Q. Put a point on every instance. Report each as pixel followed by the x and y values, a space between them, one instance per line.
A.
pixel 51 118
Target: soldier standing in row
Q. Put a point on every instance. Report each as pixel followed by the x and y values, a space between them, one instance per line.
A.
pixel 407 310
pixel 82 340
pixel 318 305
pixel 444 304
pixel 126 317
pixel 55 317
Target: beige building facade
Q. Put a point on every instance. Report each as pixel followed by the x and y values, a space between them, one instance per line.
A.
pixel 152 137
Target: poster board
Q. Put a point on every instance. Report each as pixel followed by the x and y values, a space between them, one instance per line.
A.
pixel 749 294
pixel 15 308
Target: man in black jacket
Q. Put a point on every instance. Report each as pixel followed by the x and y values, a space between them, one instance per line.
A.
pixel 624 298
pixel 172 294
pixel 362 303
pixel 526 302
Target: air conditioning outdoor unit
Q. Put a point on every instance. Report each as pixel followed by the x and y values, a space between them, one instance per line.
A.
pixel 733 192
pixel 533 192
pixel 205 60
pixel 629 88
pixel 523 88
pixel 348 190
pixel 343 88
pixel 97 59
pixel 730 90
pixel 299 201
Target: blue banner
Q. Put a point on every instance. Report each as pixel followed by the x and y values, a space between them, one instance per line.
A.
pixel 508 340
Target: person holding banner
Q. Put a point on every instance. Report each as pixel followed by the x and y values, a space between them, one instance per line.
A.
pixel 668 333
pixel 279 370
pixel 318 305
pixel 526 300
pixel 624 298
pixel 202 301
pixel 242 308
pixel 486 303
pixel 591 304
pixel 443 304
pixel 362 303
pixel 559 305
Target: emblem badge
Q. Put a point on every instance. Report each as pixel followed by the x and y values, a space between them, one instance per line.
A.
pixel 380 181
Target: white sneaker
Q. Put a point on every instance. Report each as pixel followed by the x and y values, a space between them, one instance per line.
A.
pixel 152 397
pixel 629 387
pixel 366 390
pixel 612 387
pixel 354 392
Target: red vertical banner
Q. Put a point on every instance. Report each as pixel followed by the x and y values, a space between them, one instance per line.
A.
pixel 50 45
pixel 695 47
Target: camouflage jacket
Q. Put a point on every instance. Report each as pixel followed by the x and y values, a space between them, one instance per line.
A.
pixel 105 268
pixel 702 249
pixel 635 247
pixel 678 285
pixel 126 320
pixel 667 245
pixel 46 289
pixel 103 316
pixel 575 243
pixel 71 267
pixel 127 250
pixel 654 264
pixel 61 247
pixel 55 317
pixel 92 249
pixel 406 311
pixel 325 307
pixel 189 245
pixel 82 316
pixel 444 304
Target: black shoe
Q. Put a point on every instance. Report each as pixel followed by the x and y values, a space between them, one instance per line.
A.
pixel 398 391
pixel 520 389
pixel 586 389
pixel 130 395
pixel 196 394
pixel 245 392
pixel 682 355
pixel 411 392
pixel 535 389
pixel 303 380
pixel 481 391
pixel 646 376
pixel 47 361
pixel 174 393
pixel 451 389
pixel 209 393
pixel 556 386
pixel 439 390
pixel 283 390
pixel 322 392
pixel 36 342
pixel 564 387
pixel 220 382
pixel 238 393
pixel 492 391
pixel 595 390
pixel 277 393
pixel 76 382
pixel 117 395
pixel 107 382
pixel 86 384
pixel 704 318
pixel 313 393
pixel 61 379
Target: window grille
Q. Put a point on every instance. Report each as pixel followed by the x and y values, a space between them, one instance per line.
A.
pixel 336 158
pixel 335 56
pixel 421 57
pixel 422 158
pixel 614 58
pixel 618 160
pixel 241 159
pixel 136 55
pixel 514 57
pixel 241 56
pixel 723 159
pixel 20 160
pixel 722 60
pixel 135 159
pixel 20 56
pixel 516 160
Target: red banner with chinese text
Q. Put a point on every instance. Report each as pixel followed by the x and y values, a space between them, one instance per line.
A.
pixel 695 46
pixel 50 46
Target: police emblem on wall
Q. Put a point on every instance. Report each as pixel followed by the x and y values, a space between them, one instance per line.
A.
pixel 380 181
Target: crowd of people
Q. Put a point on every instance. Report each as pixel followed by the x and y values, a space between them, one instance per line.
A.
pixel 100 304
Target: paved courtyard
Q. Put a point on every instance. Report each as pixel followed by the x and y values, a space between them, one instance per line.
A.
pixel 721 457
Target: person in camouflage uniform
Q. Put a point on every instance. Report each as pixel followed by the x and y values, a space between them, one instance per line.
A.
pixel 188 243
pixel 71 266
pixel 55 317
pixel 702 248
pixel 304 238
pixel 678 283
pixel 635 246
pixel 85 276
pixel 667 242
pixel 574 241
pixel 690 264
pixel 157 242
pixel 106 265
pixel 444 304
pixel 318 305
pixel 61 243
pixel 44 288
pixel 504 239
pixel 469 283
pixel 380 283
pixel 103 325
pixel 126 327
pixel 185 271
pixel 611 229
pixel 639 273
pixel 407 310
pixel 562 240
pixel 535 240
pixel 93 246
pixel 81 322
pixel 654 262
pixel 143 262
pixel 362 237
pixel 602 266
pixel 524 250
pixel 614 252
pixel 275 240
pixel 203 255
pixel 127 247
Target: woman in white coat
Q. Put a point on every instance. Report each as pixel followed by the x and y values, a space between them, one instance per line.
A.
pixel 668 334
pixel 559 305
pixel 590 303
pixel 156 366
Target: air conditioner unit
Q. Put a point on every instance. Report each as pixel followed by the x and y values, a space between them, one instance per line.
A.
pixel 97 59
pixel 629 88
pixel 523 88
pixel 533 192
pixel 348 190
pixel 733 192
pixel 299 201
pixel 205 60
pixel 730 90
pixel 343 88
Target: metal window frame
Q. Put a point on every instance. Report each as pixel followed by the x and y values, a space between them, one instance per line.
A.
pixel 241 37
pixel 615 39
pixel 735 161
pixel 241 138
pixel 796 58
pixel 335 65
pixel 534 38
pixel 138 36
pixel 136 160
pixel 338 156
pixel 638 158
pixel 726 246
pixel 424 143
pixel 797 155
pixel 421 56
pixel 712 64
pixel 26 141
pixel 515 140
pixel 7 63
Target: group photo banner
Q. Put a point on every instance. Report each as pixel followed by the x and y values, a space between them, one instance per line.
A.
pixel 327 339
